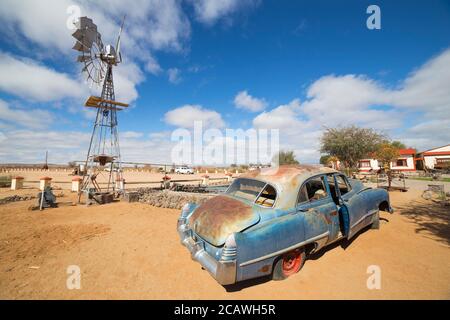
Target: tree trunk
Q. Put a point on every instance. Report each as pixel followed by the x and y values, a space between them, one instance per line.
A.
pixel 389 179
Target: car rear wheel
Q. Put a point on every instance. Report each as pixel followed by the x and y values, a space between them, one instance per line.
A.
pixel 289 264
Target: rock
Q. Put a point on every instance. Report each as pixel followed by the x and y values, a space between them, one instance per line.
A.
pixel 427 195
pixel 131 196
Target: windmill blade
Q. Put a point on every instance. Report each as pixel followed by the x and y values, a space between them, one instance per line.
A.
pixel 98 77
pixel 99 42
pixel 118 55
pixel 81 47
pixel 85 23
pixel 85 68
pixel 86 36
pixel 84 58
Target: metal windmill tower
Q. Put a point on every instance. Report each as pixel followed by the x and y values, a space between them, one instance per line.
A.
pixel 103 156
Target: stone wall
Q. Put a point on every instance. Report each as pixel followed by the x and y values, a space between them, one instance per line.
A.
pixel 15 198
pixel 171 199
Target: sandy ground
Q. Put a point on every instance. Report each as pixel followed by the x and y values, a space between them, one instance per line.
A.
pixel 132 251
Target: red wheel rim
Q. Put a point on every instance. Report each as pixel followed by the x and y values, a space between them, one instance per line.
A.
pixel 292 262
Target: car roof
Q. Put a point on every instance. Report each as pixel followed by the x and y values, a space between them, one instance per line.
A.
pixel 287 179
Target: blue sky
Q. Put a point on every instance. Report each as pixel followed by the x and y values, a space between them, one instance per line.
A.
pixel 295 66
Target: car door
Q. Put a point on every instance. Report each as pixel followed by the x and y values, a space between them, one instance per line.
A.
pixel 316 203
pixel 352 207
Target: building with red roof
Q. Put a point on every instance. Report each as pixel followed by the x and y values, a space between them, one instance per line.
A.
pixel 405 162
pixel 436 158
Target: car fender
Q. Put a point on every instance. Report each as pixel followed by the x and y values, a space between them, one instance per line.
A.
pixel 375 197
pixel 258 248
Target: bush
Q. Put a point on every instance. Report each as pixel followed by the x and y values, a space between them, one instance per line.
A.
pixel 5 181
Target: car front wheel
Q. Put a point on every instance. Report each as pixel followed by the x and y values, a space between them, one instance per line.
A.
pixel 289 264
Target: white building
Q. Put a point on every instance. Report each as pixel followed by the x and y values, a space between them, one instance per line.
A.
pixel 405 162
pixel 435 158
pixel 367 165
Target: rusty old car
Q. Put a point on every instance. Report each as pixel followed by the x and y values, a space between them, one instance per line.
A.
pixel 269 220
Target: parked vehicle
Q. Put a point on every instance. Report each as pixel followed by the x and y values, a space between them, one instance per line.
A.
pixel 269 220
pixel 184 170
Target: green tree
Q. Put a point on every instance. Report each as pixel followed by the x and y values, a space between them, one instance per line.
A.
pixel 71 164
pixel 350 144
pixel 324 159
pixel 398 144
pixel 286 157
pixel 386 153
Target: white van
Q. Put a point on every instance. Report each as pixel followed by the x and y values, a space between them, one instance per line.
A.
pixel 184 170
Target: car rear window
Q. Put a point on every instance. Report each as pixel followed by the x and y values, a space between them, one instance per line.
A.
pixel 250 189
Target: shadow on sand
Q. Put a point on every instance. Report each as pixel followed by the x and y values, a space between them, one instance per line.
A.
pixel 343 243
pixel 431 218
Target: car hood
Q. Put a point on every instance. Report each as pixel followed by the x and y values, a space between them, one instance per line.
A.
pixel 220 216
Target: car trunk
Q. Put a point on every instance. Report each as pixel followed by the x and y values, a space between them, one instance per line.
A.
pixel 221 216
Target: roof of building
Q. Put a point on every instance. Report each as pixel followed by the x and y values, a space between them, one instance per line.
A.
pixel 408 151
pixel 431 150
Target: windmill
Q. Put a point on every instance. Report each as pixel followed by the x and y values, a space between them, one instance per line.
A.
pixel 103 156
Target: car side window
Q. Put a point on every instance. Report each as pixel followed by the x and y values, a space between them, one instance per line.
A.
pixel 343 185
pixel 314 189
pixel 331 184
pixel 303 196
pixel 267 196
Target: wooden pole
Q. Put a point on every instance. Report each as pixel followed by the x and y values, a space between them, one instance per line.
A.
pixel 42 200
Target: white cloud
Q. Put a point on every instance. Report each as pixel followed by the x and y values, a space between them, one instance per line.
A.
pixel 29 146
pixel 160 135
pixel 34 118
pixel 245 101
pixel 146 150
pixel 174 75
pixel 126 77
pixel 209 11
pixel 348 99
pixel 295 133
pixel 186 115
pixel 28 79
pixel 44 24
pixel 281 117
pixel 160 24
pixel 420 105
pixel 153 66
pixel 131 134
pixel 427 134
pixel 427 88
pixel 150 26
pixel 358 99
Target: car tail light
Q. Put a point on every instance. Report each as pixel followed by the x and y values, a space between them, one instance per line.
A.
pixel 229 250
pixel 186 210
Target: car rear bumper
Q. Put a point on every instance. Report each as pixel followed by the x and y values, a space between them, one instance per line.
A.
pixel 223 271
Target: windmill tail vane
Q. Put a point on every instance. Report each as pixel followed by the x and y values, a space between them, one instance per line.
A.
pixel 119 55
